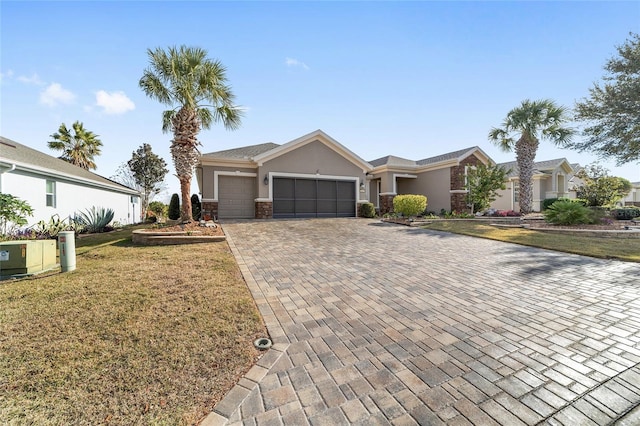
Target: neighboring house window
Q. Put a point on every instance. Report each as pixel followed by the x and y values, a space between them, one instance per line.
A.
pixel 51 193
pixel 516 191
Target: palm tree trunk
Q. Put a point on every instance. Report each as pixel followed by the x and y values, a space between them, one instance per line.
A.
pixel 526 149
pixel 184 150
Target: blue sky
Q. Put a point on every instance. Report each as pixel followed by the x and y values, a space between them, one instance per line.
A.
pixel 412 79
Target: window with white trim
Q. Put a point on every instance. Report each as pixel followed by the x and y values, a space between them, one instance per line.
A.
pixel 516 191
pixel 51 193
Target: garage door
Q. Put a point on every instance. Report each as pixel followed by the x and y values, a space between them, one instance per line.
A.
pixel 236 197
pixel 295 197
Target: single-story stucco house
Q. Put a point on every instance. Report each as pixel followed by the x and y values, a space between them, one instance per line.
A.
pixel 52 186
pixel 551 179
pixel 316 176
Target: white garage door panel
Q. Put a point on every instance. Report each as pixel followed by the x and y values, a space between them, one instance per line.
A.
pixel 236 197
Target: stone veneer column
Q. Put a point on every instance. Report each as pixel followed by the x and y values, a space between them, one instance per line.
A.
pixel 264 210
pixel 458 199
pixel 386 203
pixel 210 208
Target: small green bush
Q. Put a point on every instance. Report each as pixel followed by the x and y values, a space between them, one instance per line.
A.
pixel 409 204
pixel 367 210
pixel 547 202
pixel 174 207
pixel 625 213
pixel 568 213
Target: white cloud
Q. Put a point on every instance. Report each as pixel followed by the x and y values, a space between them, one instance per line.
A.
pixel 291 62
pixel 114 103
pixel 6 75
pixel 55 94
pixel 34 79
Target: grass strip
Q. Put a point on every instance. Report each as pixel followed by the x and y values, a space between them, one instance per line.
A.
pixel 627 249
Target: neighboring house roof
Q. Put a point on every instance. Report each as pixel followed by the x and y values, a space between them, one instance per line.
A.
pixel 539 167
pixel 245 152
pixel 29 159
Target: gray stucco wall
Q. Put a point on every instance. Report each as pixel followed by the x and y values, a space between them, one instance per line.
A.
pixel 207 177
pixel 312 158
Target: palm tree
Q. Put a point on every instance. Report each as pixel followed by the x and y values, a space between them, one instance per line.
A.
pixel 530 122
pixel 195 87
pixel 78 148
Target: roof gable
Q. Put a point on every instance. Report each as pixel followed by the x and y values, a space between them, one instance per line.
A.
pixel 320 136
pixel 540 167
pixel 32 160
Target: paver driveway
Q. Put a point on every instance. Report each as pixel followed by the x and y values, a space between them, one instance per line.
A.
pixel 384 324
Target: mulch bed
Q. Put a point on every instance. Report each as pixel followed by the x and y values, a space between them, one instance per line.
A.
pixel 193 227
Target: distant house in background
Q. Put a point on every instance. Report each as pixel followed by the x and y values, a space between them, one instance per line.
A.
pixel 633 198
pixel 53 186
pixel 551 179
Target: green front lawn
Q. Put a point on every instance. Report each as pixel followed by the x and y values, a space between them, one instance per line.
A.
pixel 616 248
pixel 136 335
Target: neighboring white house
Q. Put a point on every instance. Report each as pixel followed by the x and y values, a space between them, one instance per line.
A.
pixel 53 186
pixel 633 197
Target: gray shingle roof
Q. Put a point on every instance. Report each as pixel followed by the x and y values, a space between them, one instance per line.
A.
pixel 391 160
pixel 14 152
pixel 245 152
pixel 444 157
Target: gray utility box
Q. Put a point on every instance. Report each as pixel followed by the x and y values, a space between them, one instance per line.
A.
pixel 27 256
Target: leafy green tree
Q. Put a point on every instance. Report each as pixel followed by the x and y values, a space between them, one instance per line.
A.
pixel 159 208
pixel 522 131
pixel 148 171
pixel 174 207
pixel 612 110
pixel 196 89
pixel 599 188
pixel 79 147
pixel 483 184
pixel 13 211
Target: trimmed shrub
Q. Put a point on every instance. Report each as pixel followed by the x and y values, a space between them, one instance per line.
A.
pixel 195 207
pixel 568 213
pixel 409 204
pixel 367 210
pixel 174 207
pixel 625 213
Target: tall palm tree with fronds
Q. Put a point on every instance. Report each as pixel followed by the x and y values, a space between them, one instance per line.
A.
pixel 196 90
pixel 531 122
pixel 78 147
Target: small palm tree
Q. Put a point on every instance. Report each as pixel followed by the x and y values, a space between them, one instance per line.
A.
pixel 195 87
pixel 530 122
pixel 78 148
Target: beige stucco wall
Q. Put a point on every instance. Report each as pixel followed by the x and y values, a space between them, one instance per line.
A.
pixel 434 185
pixel 505 199
pixel 207 177
pixel 314 158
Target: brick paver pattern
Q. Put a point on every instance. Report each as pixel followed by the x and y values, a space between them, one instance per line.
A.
pixel 384 324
